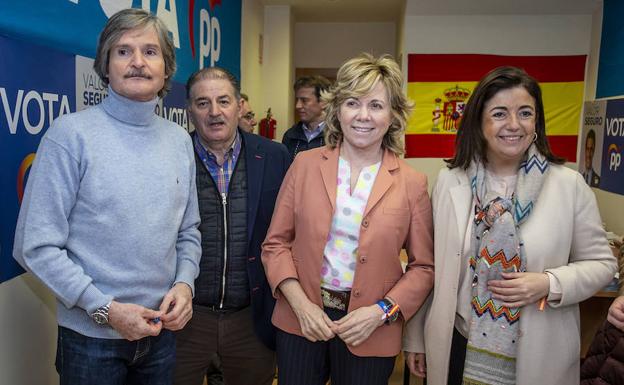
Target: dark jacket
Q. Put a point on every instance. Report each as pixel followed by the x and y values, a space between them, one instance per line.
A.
pixel 295 140
pixel 604 362
pixel 266 163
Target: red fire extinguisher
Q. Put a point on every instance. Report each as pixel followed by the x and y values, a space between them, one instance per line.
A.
pixel 267 126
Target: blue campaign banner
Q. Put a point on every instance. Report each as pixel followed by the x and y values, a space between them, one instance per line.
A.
pixel 47 49
pixel 610 74
pixel 30 99
pixel 173 106
pixel 205 33
pixel 612 178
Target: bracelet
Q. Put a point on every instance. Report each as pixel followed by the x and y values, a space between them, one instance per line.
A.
pixel 391 311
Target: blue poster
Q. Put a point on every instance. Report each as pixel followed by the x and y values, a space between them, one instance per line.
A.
pixel 206 33
pixel 612 178
pixel 30 99
pixel 610 74
pixel 47 50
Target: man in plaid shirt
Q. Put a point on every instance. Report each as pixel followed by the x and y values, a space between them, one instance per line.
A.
pixel 238 177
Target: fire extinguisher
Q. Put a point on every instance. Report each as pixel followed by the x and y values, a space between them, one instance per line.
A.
pixel 267 126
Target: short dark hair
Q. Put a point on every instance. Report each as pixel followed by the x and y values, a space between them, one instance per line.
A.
pixel 213 73
pixel 126 20
pixel 470 142
pixel 591 134
pixel 318 82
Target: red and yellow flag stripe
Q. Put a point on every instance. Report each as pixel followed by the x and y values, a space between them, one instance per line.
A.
pixel 439 85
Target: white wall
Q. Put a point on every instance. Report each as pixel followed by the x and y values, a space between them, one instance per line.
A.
pixel 611 205
pixel 493 34
pixel 28 333
pixel 328 45
pixel 252 26
pixel 277 66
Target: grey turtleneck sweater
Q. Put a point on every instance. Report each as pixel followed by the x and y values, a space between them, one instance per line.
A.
pixel 110 211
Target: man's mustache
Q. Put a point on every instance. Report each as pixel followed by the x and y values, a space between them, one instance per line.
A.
pixel 137 74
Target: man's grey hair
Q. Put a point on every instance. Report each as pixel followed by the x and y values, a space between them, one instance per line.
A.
pixel 126 20
pixel 213 73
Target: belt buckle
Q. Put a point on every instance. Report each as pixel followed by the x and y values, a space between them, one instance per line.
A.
pixel 334 299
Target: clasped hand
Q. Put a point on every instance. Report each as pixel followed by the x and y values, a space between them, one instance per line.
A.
pixel 353 329
pixel 519 289
pixel 134 322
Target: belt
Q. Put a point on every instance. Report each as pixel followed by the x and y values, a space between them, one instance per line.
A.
pixel 216 309
pixel 334 299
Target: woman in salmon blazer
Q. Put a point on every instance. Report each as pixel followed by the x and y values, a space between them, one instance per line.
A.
pixel 343 214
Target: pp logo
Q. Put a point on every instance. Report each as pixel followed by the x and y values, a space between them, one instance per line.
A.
pixel 615 157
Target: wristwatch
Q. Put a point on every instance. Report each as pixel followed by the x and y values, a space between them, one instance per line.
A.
pixel 100 315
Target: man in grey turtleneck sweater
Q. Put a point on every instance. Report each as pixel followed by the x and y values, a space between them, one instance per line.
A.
pixel 109 219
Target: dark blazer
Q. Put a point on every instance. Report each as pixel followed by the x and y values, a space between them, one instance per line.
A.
pixel 267 163
pixel 295 140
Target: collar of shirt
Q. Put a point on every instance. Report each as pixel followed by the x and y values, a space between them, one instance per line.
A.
pixel 231 154
pixel 313 133
pixel 220 173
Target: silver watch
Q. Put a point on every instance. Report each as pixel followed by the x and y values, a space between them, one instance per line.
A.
pixel 100 315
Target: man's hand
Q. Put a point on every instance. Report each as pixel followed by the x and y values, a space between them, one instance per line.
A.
pixel 357 326
pixel 177 307
pixel 132 321
pixel 616 313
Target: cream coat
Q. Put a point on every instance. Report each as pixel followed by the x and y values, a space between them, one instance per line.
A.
pixel 563 236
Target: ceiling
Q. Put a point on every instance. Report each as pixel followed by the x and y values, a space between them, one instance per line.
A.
pixel 501 7
pixel 325 11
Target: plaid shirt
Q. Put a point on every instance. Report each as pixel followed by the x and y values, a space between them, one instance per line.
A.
pixel 220 174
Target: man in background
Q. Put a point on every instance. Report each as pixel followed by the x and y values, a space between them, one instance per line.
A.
pixel 247 120
pixel 109 218
pixel 308 132
pixel 591 177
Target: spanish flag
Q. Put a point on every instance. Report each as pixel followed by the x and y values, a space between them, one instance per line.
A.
pixel 440 85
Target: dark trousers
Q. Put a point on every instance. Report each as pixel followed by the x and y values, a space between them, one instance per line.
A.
pixel 301 362
pixel 100 361
pixel 245 360
pixel 458 357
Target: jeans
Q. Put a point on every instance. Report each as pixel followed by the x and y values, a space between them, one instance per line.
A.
pixel 86 360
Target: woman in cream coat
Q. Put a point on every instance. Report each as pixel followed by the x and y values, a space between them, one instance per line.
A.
pixel 567 258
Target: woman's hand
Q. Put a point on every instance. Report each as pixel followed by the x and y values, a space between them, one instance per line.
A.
pixel 520 289
pixel 357 326
pixel 616 313
pixel 416 363
pixel 314 323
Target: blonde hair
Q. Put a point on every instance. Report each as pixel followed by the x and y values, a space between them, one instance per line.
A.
pixel 356 78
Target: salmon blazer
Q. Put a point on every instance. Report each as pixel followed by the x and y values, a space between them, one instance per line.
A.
pixel 397 215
